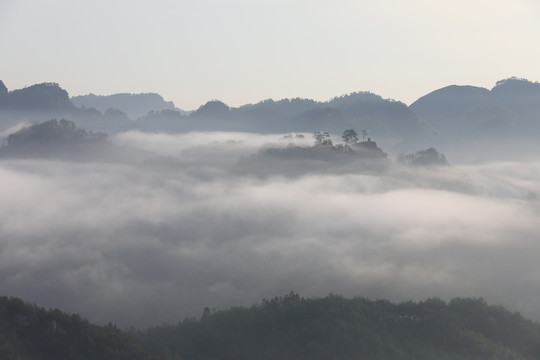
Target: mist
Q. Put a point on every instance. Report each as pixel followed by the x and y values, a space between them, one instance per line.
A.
pixel 230 144
pixel 157 241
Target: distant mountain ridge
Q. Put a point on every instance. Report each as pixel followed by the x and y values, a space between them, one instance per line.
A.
pixel 467 118
pixel 512 107
pixel 42 102
pixel 389 119
pixel 133 105
pixel 472 120
pixel 39 97
pixel 394 124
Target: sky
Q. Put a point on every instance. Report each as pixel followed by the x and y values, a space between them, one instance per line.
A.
pixel 240 51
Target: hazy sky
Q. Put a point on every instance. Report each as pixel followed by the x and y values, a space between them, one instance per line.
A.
pixel 241 51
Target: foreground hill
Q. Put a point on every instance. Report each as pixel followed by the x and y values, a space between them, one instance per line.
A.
pixel 337 328
pixel 288 327
pixel 28 332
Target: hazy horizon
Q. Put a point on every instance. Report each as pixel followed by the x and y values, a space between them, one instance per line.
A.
pixel 255 101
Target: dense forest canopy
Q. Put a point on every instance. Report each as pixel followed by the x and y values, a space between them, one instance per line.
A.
pixel 31 332
pixel 288 327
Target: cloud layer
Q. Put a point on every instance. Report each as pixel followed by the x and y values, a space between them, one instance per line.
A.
pixel 140 245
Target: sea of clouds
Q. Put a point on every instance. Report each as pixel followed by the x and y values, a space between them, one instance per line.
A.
pixel 157 241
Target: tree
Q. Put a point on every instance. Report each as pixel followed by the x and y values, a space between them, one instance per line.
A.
pixel 425 157
pixel 350 137
pixel 322 139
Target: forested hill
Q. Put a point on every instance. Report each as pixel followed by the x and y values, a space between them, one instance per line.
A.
pixel 28 332
pixel 63 140
pixel 288 327
pixel 291 327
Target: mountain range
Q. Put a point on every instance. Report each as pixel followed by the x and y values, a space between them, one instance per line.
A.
pixel 133 105
pixel 463 119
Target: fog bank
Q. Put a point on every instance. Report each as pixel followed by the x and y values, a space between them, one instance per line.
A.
pixel 141 245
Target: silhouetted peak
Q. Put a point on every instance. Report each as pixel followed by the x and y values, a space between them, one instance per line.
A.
pixel 461 92
pixel 45 96
pixel 516 86
pixel 451 98
pixel 356 97
pixel 212 107
pixel 3 88
pixel 513 80
pixel 44 88
pixel 294 105
pixel 296 101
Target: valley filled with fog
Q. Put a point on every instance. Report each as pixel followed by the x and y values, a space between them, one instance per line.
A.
pixel 270 180
pixel 205 219
pixel 144 219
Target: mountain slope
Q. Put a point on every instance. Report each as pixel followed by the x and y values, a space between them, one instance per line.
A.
pixel 63 140
pixel 511 108
pixel 501 123
pixel 40 102
pixel 291 327
pixel 39 97
pixel 28 332
pixel 288 327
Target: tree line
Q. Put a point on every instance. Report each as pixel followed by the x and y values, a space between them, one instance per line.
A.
pixel 285 327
